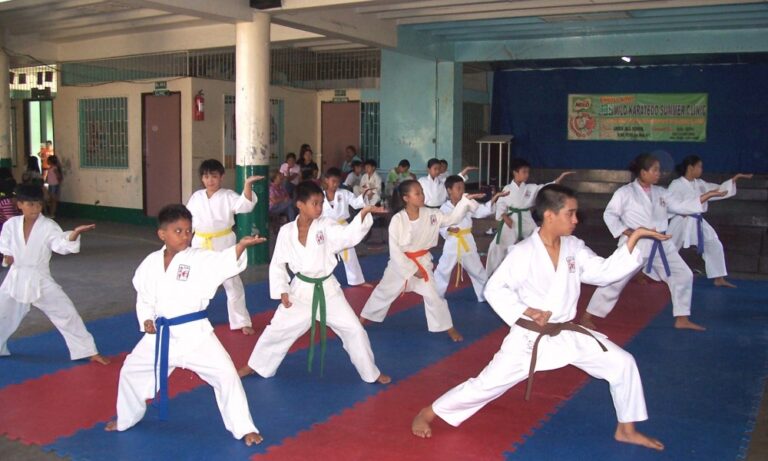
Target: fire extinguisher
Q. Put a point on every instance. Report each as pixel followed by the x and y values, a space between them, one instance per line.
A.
pixel 198 109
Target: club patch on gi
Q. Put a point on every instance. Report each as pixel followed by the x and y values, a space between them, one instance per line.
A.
pixel 571 264
pixel 662 202
pixel 183 273
pixel 433 220
pixel 527 194
pixel 320 238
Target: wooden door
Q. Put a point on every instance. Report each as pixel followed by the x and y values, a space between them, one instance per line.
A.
pixel 340 127
pixel 161 159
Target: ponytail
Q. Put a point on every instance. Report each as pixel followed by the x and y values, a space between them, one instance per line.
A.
pixel 682 167
pixel 642 162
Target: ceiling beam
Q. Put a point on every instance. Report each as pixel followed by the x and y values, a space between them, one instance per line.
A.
pixel 416 5
pixel 342 24
pixel 48 25
pixel 305 5
pixel 43 5
pixel 228 11
pixel 116 28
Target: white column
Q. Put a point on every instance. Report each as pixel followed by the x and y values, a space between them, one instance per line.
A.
pixel 252 59
pixel 5 108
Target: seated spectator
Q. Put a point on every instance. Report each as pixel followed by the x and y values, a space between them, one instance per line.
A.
pixel 353 178
pixel 280 202
pixel 291 171
pixel 350 157
pixel 306 164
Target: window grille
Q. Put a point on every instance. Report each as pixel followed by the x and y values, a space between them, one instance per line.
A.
pixel 103 132
pixel 369 131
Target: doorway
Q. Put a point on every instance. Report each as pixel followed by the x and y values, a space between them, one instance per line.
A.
pixel 38 128
pixel 340 127
pixel 161 150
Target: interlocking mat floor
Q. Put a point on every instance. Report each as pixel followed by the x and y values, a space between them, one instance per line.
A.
pixel 702 389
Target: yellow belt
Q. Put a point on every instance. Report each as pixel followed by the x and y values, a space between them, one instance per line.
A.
pixel 461 247
pixel 345 253
pixel 209 236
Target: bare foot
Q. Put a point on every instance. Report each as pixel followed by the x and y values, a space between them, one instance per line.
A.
pixel 420 425
pixel 245 371
pixel 98 358
pixel 252 439
pixel 248 331
pixel 722 282
pixel 586 321
pixel 626 432
pixel 384 379
pixel 363 321
pixel 684 323
pixel 111 426
pixel 455 335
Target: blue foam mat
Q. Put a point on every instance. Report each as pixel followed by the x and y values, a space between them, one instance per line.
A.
pixel 702 389
pixel 292 401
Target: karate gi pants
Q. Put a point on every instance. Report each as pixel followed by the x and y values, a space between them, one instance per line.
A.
pixel 289 324
pixel 236 310
pixel 470 261
pixel 392 285
pixel 352 267
pixel 208 359
pixel 714 258
pixel 680 286
pixel 57 306
pixel 511 363
pixel 498 251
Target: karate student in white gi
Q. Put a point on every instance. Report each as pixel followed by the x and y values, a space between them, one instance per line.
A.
pixel 213 215
pixel 460 247
pixel 173 288
pixel 353 178
pixel 412 232
pixel 535 291
pixel 693 229
pixel 433 183
pixel 336 207
pixel 308 247
pixel 370 182
pixel 642 203
pixel 513 212
pixel 27 242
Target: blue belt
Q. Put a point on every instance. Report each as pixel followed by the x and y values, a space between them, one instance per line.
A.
pixel 657 245
pixel 162 343
pixel 699 232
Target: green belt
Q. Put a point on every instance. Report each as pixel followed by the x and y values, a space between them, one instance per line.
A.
pixel 510 212
pixel 318 300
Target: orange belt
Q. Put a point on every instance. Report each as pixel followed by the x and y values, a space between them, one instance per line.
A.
pixel 414 256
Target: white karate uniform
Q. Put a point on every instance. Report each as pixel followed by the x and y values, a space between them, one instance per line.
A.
pixel 434 191
pixel 338 210
pixel 373 183
pixel 352 180
pixel 527 278
pixel 399 276
pixel 522 196
pixel 29 281
pixel 470 259
pixel 631 207
pixel 683 227
pixel 216 215
pixel 317 259
pixel 187 286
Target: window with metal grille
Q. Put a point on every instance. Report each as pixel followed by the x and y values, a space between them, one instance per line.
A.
pixel 103 132
pixel 369 131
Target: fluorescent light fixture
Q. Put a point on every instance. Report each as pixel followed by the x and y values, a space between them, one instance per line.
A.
pixel 626 59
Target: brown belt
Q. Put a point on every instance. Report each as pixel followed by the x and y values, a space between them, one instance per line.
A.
pixel 550 329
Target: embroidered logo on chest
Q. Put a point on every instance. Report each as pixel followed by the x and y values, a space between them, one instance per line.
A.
pixel 433 220
pixel 662 203
pixel 527 194
pixel 571 261
pixel 320 238
pixel 182 274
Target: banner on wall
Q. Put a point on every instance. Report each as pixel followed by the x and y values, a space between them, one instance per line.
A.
pixel 676 117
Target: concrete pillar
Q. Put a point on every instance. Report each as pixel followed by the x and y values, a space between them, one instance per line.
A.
pixel 5 108
pixel 450 111
pixel 252 61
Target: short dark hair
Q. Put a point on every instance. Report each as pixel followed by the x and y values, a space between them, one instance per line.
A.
pixel 518 163
pixel 306 189
pixel 290 155
pixel 371 162
pixel 643 161
pixel 356 163
pixel 210 166
pixel 443 161
pixel 404 163
pixel 552 197
pixel 172 213
pixel 29 193
pixel 451 180
pixel 333 172
pixel 690 160
pixel 432 162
